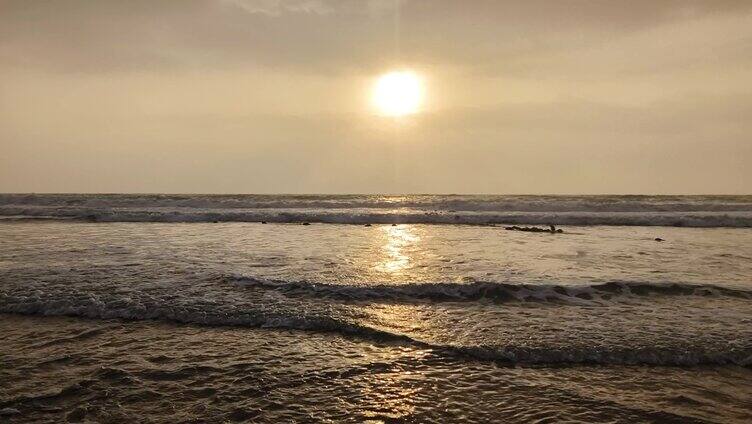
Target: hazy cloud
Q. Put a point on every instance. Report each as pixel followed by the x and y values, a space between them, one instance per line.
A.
pixel 271 96
pixel 278 7
pixel 326 36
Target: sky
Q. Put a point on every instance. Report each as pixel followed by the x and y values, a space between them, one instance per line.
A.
pixel 272 96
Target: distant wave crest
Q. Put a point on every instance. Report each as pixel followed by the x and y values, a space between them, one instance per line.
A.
pixel 676 219
pixel 689 211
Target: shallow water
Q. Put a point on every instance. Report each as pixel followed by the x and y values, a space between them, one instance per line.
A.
pixel 108 371
pixel 410 322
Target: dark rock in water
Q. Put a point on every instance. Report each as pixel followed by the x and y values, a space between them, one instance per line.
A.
pixel 552 229
pixel 306 223
pixel 216 222
pixel 394 225
pixel 263 222
pixel 367 225
pixel 658 239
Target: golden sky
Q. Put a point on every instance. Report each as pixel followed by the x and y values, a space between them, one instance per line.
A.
pixel 272 96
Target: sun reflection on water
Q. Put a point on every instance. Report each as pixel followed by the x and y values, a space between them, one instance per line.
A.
pixel 397 241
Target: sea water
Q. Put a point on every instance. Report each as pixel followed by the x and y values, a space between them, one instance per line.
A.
pixel 182 308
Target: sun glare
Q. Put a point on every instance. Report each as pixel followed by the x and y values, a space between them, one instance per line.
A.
pixel 398 93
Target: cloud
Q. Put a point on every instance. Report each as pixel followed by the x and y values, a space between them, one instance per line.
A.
pixel 334 36
pixel 145 36
pixel 649 96
pixel 278 7
pixel 319 7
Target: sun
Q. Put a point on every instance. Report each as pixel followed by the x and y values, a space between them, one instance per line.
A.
pixel 398 93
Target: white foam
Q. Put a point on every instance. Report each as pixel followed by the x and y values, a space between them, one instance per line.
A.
pixel 689 211
pixel 680 219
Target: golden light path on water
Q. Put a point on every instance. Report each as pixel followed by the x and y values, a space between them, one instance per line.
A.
pixel 401 251
pixel 398 241
pixel 396 390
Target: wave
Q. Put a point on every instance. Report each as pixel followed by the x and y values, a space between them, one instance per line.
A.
pixel 447 203
pixel 325 308
pixel 94 307
pixel 496 292
pixel 512 354
pixel 605 356
pixel 690 211
pixel 676 219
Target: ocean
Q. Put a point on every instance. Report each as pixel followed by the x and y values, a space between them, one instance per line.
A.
pixel 371 308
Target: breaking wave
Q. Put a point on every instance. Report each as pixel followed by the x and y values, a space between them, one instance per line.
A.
pixel 668 219
pixel 217 312
pixel 574 354
pixel 489 203
pixel 496 292
pixel 689 211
